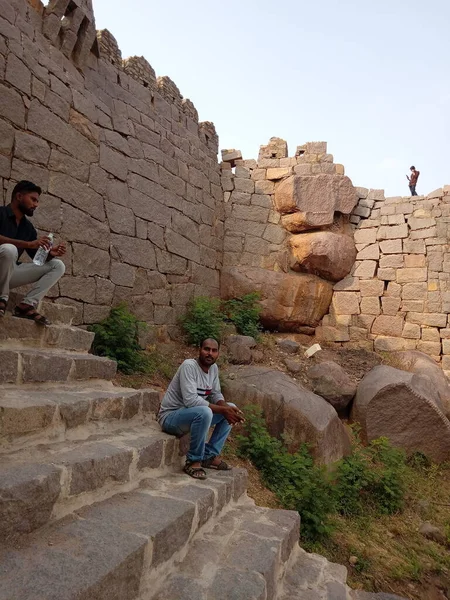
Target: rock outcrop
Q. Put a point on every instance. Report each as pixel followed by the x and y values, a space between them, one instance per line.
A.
pixel 330 381
pixel 288 300
pixel 405 408
pixel 323 253
pixel 291 409
pixel 418 362
pixel 316 198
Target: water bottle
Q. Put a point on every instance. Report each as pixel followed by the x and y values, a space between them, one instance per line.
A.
pixel 41 255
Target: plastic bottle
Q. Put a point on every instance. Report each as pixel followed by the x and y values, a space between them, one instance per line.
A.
pixel 41 255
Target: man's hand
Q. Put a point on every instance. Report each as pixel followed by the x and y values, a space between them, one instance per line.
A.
pixel 233 415
pixel 42 242
pixel 58 250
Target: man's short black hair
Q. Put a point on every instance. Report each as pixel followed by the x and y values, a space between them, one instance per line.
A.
pixel 210 337
pixel 25 187
pixel 413 168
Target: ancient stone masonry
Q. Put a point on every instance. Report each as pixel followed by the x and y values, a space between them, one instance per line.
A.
pixel 287 231
pixel 130 177
pixel 398 294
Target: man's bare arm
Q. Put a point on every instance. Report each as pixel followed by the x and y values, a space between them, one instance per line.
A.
pixel 22 245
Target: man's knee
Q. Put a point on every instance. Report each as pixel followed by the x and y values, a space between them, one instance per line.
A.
pixel 204 413
pixel 58 266
pixel 8 253
pixel 231 404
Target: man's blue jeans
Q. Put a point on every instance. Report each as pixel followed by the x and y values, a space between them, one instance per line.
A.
pixel 197 420
pixel 413 190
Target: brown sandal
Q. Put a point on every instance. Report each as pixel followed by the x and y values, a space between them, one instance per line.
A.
pixel 194 472
pixel 222 466
pixel 32 314
pixel 2 307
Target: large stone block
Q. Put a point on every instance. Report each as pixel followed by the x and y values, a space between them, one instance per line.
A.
pixel 323 194
pixel 113 162
pixel 403 407
pixel 53 129
pixel 27 497
pixel 288 301
pixel 88 261
pixel 134 251
pixel 92 465
pixel 329 255
pixel 11 106
pixel 78 194
pixel 408 275
pixel 346 303
pixel 77 226
pixel 291 409
pixel 388 325
pixel 31 148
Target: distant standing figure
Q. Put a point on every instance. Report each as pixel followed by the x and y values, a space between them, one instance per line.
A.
pixel 413 180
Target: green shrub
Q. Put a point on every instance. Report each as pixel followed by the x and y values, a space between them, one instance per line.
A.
pixel 207 317
pixel 203 319
pixel 117 337
pixel 371 477
pixel 297 482
pixel 244 313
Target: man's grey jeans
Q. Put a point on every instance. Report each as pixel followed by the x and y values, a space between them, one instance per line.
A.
pixel 14 275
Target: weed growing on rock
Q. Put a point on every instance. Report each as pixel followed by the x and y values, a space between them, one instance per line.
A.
pixel 117 338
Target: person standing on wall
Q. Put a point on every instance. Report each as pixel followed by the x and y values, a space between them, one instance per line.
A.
pixel 17 234
pixel 193 403
pixel 413 180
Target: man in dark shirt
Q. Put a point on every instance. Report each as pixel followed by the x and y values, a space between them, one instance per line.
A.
pixel 413 180
pixel 16 235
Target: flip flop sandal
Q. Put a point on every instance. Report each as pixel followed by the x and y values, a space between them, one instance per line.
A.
pixel 222 466
pixel 31 314
pixel 194 472
pixel 2 308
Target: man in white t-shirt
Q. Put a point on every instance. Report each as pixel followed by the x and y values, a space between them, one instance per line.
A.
pixel 193 403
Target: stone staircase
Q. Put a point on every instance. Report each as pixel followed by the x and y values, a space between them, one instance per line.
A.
pixel 93 505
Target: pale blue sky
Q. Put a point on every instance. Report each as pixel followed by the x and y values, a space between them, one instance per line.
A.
pixel 369 77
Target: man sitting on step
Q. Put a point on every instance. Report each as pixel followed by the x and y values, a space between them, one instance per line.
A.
pixel 192 403
pixel 16 235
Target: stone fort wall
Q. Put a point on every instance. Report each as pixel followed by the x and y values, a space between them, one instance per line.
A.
pixel 397 296
pixel 130 176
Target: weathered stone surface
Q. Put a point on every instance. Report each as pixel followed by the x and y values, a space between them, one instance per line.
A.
pixel 288 346
pixel 94 464
pixel 324 194
pixel 402 407
pixel 27 497
pixel 288 301
pixel 417 362
pixel 166 521
pixel 326 254
pixel 330 381
pixel 346 303
pixel 388 325
pixel 32 148
pixel 238 354
pixel 94 560
pixel 291 409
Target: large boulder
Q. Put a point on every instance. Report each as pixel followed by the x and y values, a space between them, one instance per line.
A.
pixel 418 362
pixel 323 253
pixel 290 409
pixel 329 380
pixel 405 408
pixel 317 198
pixel 288 300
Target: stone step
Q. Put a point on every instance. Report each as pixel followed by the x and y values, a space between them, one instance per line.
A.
pixel 32 414
pixel 113 549
pixel 22 333
pixel 243 556
pixel 58 314
pixel 48 481
pixel 313 577
pixel 19 365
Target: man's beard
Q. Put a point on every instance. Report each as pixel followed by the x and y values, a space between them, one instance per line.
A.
pixel 29 212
